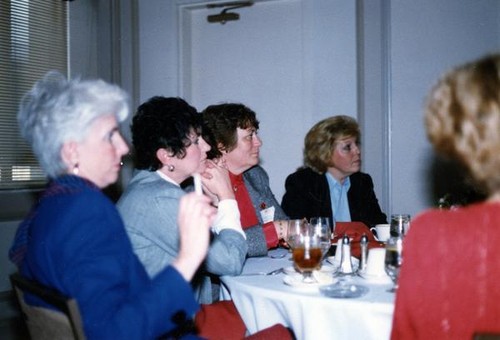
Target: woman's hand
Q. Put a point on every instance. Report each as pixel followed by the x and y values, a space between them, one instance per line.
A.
pixel 195 217
pixel 281 227
pixel 216 181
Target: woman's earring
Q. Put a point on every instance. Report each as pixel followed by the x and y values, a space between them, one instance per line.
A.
pixel 76 169
pixel 170 167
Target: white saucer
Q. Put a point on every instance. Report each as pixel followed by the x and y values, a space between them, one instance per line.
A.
pixel 297 280
pixel 327 269
pixel 381 279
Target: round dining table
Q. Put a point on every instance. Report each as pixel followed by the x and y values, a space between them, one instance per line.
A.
pixel 264 300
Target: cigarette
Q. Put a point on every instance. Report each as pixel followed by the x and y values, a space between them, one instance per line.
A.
pixel 197 184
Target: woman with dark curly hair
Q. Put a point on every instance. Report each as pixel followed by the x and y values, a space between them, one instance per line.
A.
pixel 448 284
pixel 331 184
pixel 168 150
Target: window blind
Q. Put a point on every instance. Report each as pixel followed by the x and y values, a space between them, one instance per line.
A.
pixel 33 40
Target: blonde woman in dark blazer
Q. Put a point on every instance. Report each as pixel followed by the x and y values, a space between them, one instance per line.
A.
pixel 331 183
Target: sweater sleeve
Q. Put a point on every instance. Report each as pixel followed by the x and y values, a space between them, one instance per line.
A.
pixel 262 236
pixel 228 217
pixel 257 245
pixel 227 253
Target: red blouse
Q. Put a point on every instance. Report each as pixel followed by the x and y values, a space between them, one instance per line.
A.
pixel 248 215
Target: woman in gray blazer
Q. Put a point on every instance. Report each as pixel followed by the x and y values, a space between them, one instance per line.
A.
pixel 169 150
pixel 231 130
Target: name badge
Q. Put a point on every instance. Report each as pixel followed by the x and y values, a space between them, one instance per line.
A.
pixel 267 215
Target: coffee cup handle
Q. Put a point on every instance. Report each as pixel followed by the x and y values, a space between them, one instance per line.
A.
pixel 374 230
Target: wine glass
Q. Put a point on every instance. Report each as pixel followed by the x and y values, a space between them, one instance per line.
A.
pixel 307 252
pixel 321 227
pixel 333 227
pixel 294 231
pixel 400 224
pixel 393 259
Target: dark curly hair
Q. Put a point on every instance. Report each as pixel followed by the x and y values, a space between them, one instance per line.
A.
pixel 162 123
pixel 220 123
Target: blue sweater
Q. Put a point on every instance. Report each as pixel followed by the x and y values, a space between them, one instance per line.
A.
pixel 77 244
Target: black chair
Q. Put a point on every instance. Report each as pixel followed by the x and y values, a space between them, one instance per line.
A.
pixel 44 323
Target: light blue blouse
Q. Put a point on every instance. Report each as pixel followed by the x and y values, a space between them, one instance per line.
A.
pixel 338 197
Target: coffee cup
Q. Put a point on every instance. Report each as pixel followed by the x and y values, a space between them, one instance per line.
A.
pixel 375 265
pixel 382 231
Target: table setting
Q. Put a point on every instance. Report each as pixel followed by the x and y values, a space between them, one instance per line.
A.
pixel 284 286
pixel 264 300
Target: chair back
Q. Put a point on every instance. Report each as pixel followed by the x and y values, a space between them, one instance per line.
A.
pixel 44 323
pixel 355 230
pixel 486 336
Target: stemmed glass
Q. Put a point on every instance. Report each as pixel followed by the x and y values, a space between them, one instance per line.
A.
pixel 400 224
pixel 321 227
pixel 334 224
pixel 393 259
pixel 294 231
pixel 307 252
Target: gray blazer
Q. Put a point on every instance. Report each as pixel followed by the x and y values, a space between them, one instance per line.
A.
pixel 149 208
pixel 257 183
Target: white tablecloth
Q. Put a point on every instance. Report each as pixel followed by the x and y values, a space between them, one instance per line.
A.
pixel 265 300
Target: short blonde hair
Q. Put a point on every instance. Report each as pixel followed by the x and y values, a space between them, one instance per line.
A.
pixel 319 142
pixel 463 119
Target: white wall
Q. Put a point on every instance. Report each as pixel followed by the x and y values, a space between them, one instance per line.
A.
pixel 426 38
pixel 281 66
pixel 405 46
pixel 372 98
